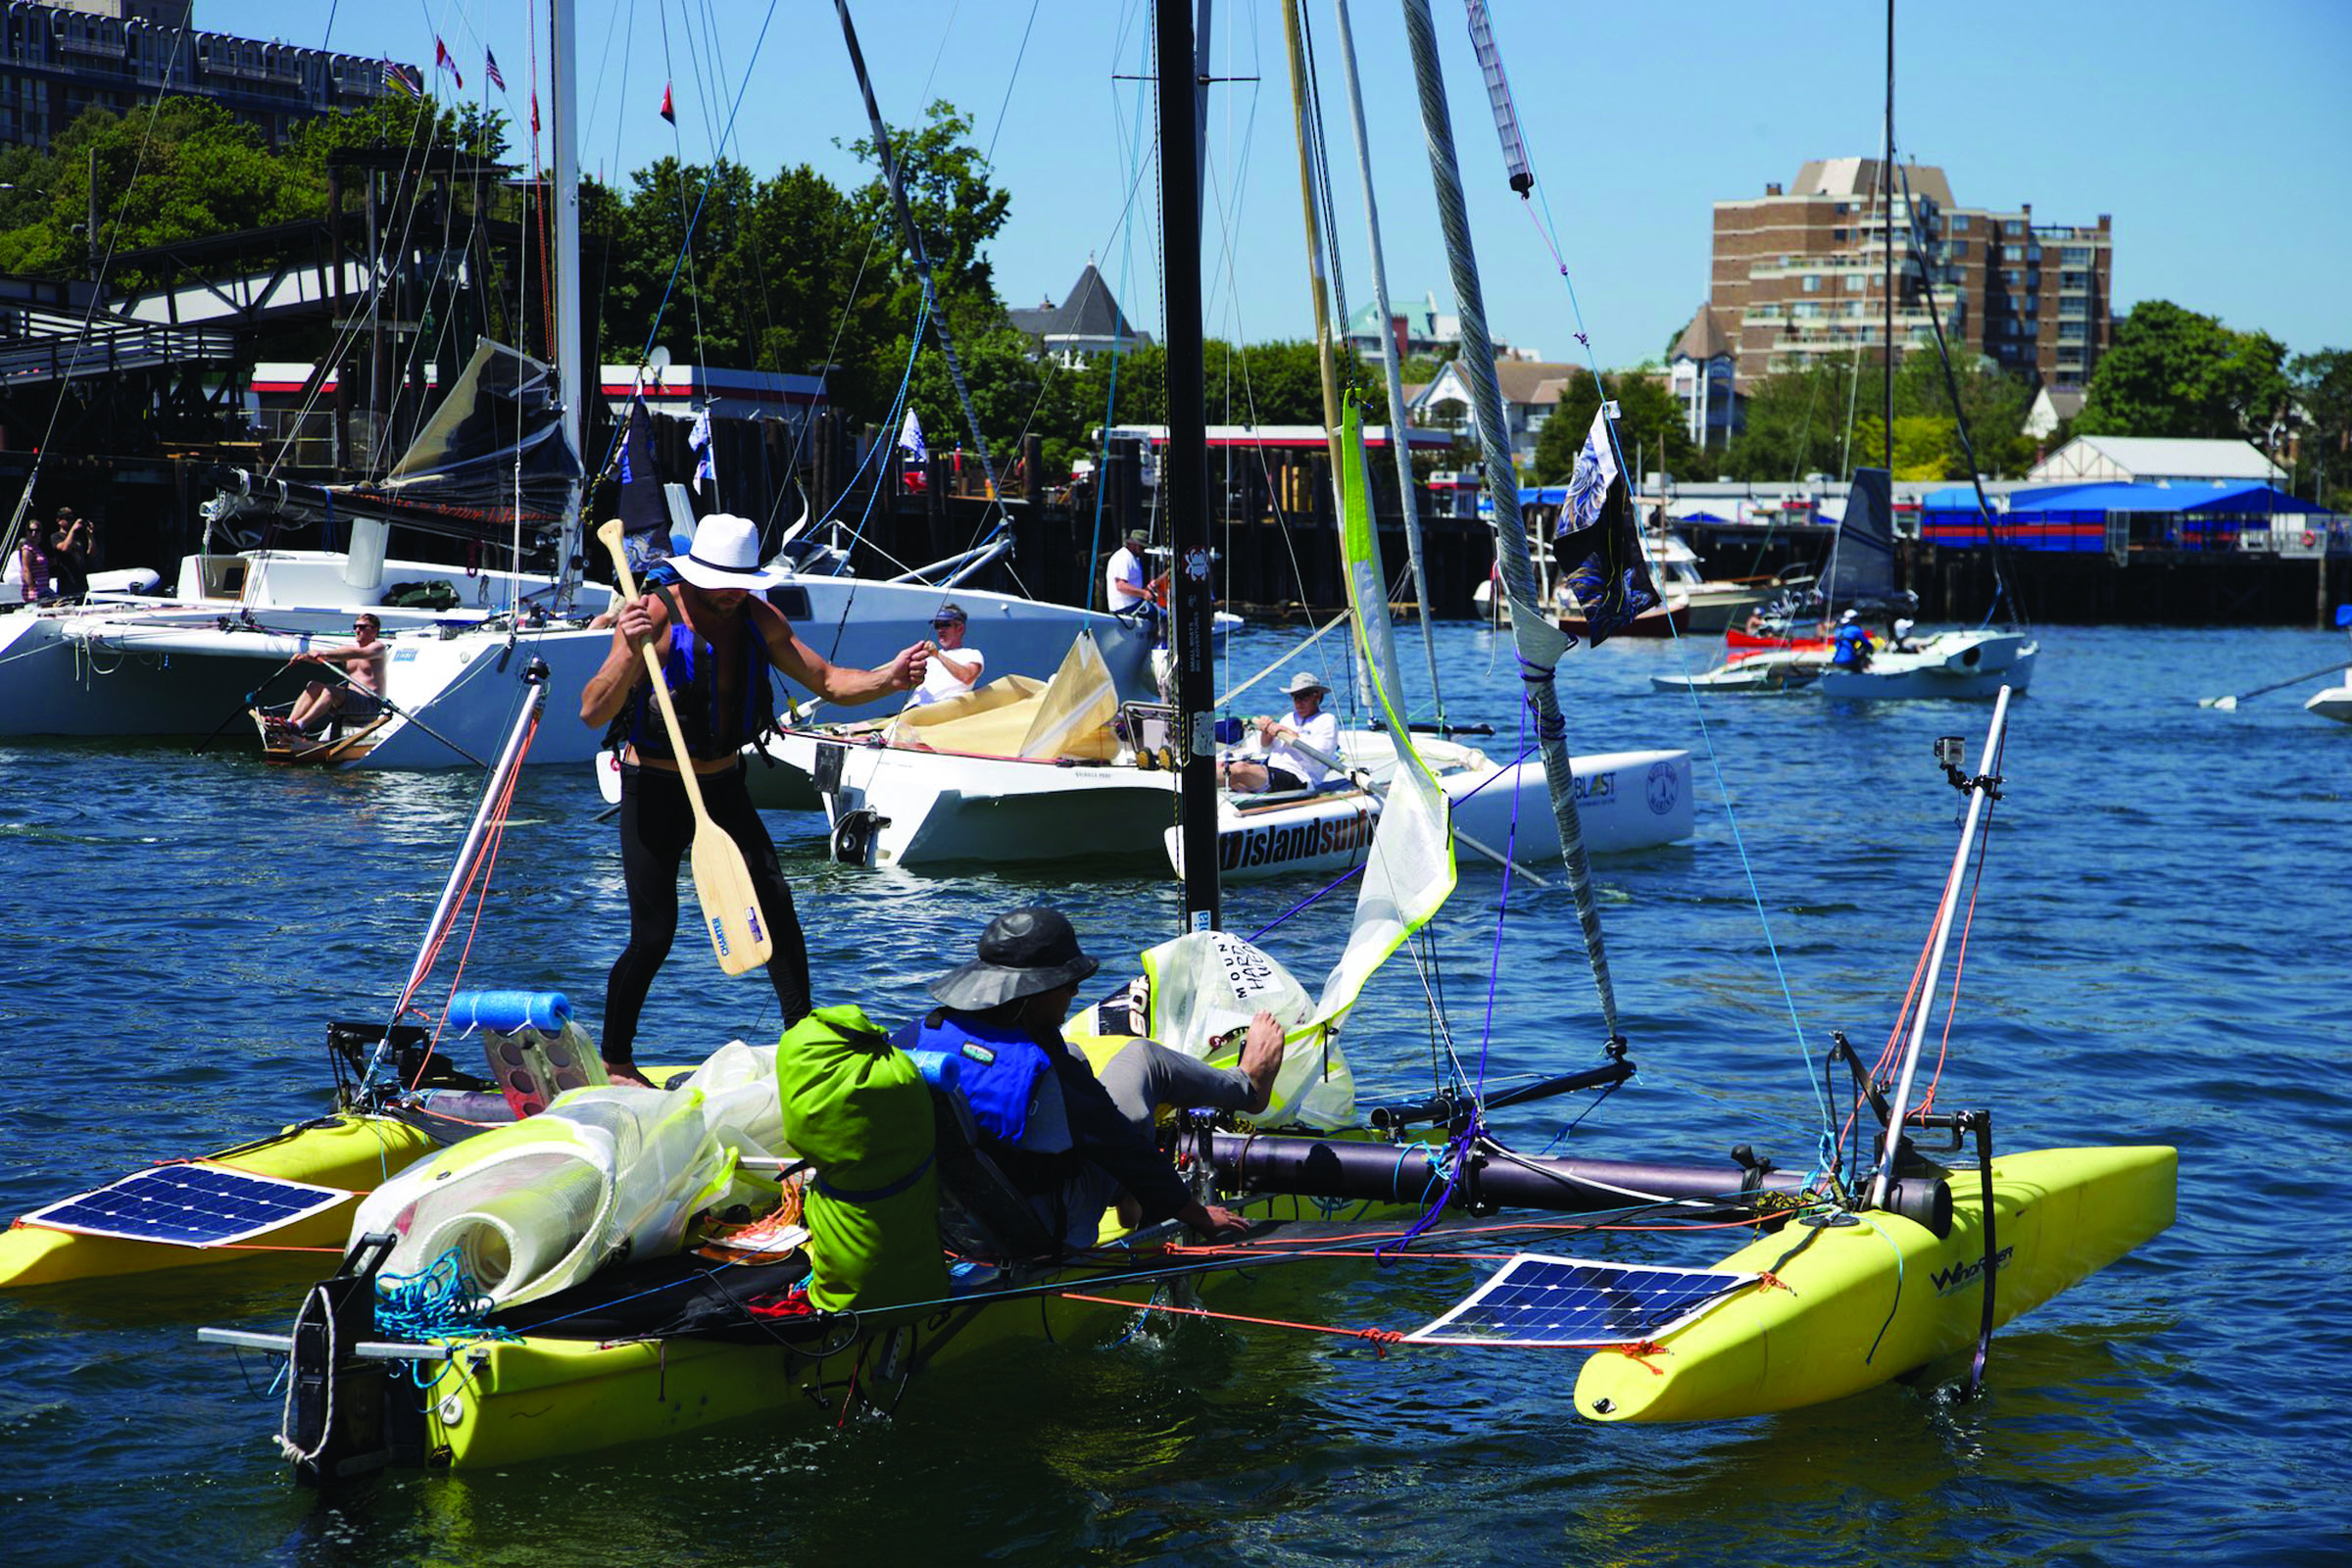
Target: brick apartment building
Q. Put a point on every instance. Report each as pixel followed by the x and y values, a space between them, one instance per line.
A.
pixel 1798 279
pixel 61 57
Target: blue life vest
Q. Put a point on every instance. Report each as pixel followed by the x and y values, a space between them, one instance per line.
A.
pixel 689 664
pixel 1854 646
pixel 997 1070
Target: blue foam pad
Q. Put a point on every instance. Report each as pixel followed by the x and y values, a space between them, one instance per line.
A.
pixel 939 1068
pixel 509 1010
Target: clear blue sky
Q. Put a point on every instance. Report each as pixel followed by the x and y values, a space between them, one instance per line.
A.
pixel 2218 138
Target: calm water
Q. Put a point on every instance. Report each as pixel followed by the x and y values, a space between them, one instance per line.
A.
pixel 2158 956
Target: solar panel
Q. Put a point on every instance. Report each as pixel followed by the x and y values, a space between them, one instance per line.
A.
pixel 188 1206
pixel 1537 1300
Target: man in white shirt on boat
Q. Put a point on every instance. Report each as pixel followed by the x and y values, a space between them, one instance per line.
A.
pixel 953 668
pixel 1293 750
pixel 1126 585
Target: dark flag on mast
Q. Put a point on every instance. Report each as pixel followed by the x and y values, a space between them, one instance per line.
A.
pixel 1596 546
pixel 643 513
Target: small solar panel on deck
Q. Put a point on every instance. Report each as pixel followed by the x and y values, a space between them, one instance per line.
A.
pixel 188 1206
pixel 1538 1301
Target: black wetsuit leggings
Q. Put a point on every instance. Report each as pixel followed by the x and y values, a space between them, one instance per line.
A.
pixel 657 830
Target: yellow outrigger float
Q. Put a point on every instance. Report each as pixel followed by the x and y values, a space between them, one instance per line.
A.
pixel 1845 1302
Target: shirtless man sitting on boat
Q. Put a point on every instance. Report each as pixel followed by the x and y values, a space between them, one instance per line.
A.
pixel 361 696
pixel 1069 1142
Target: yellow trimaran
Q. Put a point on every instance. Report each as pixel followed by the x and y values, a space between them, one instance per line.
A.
pixel 1840 1291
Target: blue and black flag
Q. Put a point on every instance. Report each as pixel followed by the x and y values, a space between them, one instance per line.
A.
pixel 644 514
pixel 1596 543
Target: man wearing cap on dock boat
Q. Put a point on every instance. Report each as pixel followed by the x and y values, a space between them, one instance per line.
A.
pixel 1126 585
pixel 1285 762
pixel 1057 1133
pixel 720 639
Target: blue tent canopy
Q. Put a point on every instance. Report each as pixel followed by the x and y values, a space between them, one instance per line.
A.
pixel 2246 496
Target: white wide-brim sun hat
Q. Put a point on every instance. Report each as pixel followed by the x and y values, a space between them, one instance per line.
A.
pixel 725 555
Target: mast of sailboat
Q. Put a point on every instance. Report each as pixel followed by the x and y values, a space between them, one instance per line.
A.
pixel 915 246
pixel 1316 276
pixel 572 378
pixel 1185 479
pixel 1541 643
pixel 1986 786
pixel 1887 238
pixel 1406 498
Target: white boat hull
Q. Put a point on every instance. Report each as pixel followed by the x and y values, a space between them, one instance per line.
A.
pixel 178 671
pixel 1965 664
pixel 1626 800
pixel 2334 702
pixel 893 807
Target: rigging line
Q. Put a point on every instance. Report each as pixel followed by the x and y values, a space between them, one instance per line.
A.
pixel 347 339
pixel 914 239
pixel 620 427
pixel 1706 732
pixel 1944 354
pixel 16 523
pixel 1005 107
pixel 710 177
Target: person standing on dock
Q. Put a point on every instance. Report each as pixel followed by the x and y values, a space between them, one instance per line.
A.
pixel 720 639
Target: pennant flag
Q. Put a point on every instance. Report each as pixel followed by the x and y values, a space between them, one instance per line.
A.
pixel 407 80
pixel 644 516
pixel 911 441
pixel 443 60
pixel 534 111
pixel 698 438
pixel 497 77
pixel 668 113
pixel 1596 544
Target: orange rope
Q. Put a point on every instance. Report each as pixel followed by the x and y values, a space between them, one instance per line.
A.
pixel 1381 1338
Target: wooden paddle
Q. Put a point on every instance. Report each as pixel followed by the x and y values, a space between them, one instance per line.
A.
pixel 723 882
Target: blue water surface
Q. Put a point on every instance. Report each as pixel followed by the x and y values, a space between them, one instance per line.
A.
pixel 2158 953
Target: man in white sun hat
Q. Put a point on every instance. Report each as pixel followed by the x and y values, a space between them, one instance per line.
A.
pixel 719 640
pixel 1293 747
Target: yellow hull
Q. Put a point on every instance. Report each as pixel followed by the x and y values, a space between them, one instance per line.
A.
pixel 1855 1305
pixel 509 1402
pixel 350 1152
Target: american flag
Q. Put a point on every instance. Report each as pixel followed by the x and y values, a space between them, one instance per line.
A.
pixel 497 77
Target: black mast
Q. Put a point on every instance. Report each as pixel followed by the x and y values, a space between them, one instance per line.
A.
pixel 1183 484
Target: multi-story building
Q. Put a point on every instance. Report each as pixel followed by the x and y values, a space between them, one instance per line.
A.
pixel 1799 275
pixel 61 57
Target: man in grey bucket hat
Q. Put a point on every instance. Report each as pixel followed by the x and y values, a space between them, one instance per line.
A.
pixel 1058 1133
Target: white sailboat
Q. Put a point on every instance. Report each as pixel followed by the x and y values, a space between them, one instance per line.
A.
pixel 1973 664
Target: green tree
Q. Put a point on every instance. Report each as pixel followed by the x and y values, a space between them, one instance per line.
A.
pixel 1647 415
pixel 2322 383
pixel 2174 373
pixel 183 170
pixel 1796 424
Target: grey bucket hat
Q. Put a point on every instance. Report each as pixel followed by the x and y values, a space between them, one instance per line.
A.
pixel 1022 953
pixel 1304 682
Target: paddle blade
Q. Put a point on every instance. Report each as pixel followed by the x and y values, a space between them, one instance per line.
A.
pixel 2225 703
pixel 731 910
